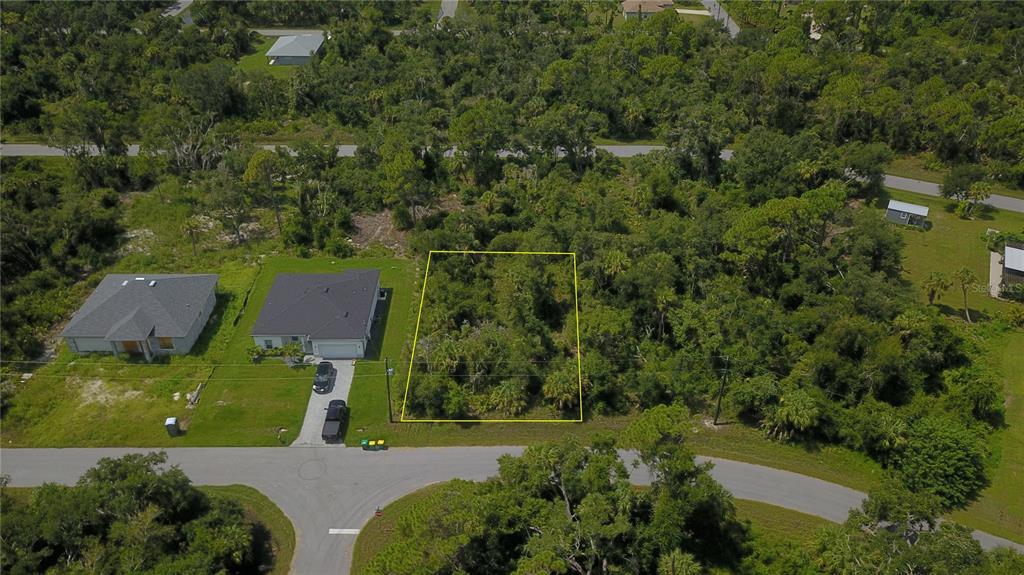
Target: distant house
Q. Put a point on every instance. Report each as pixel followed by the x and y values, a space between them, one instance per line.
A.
pixel 295 50
pixel 146 314
pixel 328 315
pixel 1013 265
pixel 643 8
pixel 904 213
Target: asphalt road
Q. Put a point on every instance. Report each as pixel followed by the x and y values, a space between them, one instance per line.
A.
pixel 718 13
pixel 326 488
pixel 620 150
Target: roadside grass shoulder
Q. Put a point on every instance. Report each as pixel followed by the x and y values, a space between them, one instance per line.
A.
pixel 914 167
pixel 778 524
pixel 274 533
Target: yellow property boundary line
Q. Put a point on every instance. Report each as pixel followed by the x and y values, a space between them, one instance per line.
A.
pixel 416 334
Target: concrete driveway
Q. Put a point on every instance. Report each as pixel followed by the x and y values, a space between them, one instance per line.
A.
pixel 316 409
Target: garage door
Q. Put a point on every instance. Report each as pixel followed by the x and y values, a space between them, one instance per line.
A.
pixel 338 350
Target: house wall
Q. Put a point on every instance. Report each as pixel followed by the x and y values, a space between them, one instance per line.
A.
pixel 289 60
pixel 281 340
pixel 89 344
pixel 373 310
pixel 907 218
pixel 1012 277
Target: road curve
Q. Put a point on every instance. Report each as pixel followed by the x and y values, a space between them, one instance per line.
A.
pixel 339 488
pixel 620 150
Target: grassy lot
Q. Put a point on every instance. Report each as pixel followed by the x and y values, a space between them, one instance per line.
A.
pixel 274 531
pixel 953 242
pixel 274 534
pixel 914 167
pixel 106 401
pixel 1000 509
pixel 766 520
pixel 257 59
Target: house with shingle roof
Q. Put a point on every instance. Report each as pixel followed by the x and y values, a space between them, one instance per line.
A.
pixel 146 314
pixel 295 50
pixel 329 315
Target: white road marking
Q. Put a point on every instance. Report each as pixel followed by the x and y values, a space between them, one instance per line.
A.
pixel 343 531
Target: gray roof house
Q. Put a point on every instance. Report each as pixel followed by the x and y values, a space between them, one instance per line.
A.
pixel 904 213
pixel 147 314
pixel 295 50
pixel 1013 266
pixel 328 315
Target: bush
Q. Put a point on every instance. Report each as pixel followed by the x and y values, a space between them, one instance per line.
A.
pixel 943 457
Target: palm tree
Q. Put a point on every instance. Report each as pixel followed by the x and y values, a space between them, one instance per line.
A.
pixel 967 278
pixel 509 397
pixel 936 285
pixel 678 563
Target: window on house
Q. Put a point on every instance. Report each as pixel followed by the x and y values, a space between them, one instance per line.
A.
pixel 903 215
pixel 295 338
pixel 165 342
pixel 268 343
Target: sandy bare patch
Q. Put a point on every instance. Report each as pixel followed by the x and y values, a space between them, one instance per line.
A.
pixel 378 228
pixel 97 391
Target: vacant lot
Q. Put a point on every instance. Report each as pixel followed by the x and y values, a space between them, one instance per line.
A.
pixel 104 401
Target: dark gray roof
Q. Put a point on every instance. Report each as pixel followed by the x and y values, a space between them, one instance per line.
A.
pixel 134 307
pixel 321 306
pixel 298 45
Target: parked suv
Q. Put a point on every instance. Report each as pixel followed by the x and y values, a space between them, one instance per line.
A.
pixel 337 413
pixel 324 377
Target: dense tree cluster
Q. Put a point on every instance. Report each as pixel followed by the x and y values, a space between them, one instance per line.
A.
pixel 564 508
pixel 497 335
pixel 127 515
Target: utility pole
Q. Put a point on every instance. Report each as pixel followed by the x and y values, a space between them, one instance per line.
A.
pixel 721 389
pixel 389 372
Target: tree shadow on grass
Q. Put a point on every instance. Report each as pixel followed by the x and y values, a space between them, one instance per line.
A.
pixel 380 323
pixel 977 315
pixel 263 556
pixel 213 325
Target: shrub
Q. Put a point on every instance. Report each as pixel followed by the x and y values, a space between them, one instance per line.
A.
pixel 943 457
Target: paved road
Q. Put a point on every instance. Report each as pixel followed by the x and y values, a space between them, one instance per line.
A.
pixel 718 13
pixel 448 8
pixel 620 150
pixel 316 409
pixel 339 488
pixel 286 31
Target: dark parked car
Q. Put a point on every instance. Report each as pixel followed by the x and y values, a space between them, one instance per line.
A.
pixel 337 413
pixel 324 377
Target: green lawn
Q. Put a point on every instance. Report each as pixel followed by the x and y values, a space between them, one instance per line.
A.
pixel 106 401
pixel 953 242
pixel 274 534
pixel 257 59
pixel 767 521
pixel 914 167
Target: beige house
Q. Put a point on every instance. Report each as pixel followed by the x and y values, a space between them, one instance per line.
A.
pixel 643 8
